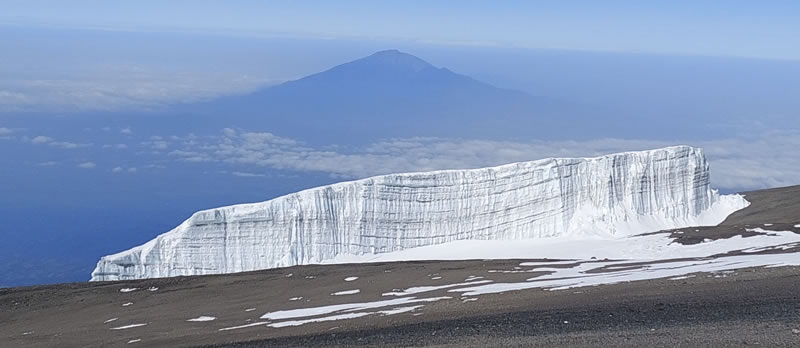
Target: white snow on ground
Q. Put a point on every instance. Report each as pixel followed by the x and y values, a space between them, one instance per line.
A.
pixel 612 260
pixel 346 292
pixel 773 247
pixel 203 318
pixel 110 320
pixel 421 289
pixel 134 341
pixel 128 289
pixel 258 323
pixel 296 298
pixel 127 326
pixel 347 307
pixel 683 277
pixel 249 309
pixel 126 304
pixel 436 278
pixel 399 310
pixel 350 279
pixel 796 226
pixel 343 316
pixel 767 225
pixel 565 278
pixel 317 320
pixel 649 247
pixel 547 263
pixel 152 288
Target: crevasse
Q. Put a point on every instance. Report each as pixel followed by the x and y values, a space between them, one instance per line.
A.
pixel 613 195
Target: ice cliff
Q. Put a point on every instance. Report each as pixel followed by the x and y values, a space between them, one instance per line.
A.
pixel 617 194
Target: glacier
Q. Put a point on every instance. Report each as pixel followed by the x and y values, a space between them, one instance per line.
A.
pixel 611 196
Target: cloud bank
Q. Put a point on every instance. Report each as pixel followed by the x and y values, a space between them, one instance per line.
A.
pixel 768 160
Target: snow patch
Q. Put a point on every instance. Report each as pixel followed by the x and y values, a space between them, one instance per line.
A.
pixel 127 326
pixel 351 307
pixel 350 279
pixel 128 290
pixel 318 320
pixel 400 310
pixel 202 318
pixel 579 276
pixel 258 323
pixel 683 277
pixel 346 292
pixel 421 289
pixel 110 320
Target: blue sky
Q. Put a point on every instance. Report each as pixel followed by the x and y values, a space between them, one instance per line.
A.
pixel 721 28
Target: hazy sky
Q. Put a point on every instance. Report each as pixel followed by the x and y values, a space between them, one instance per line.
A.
pixel 728 28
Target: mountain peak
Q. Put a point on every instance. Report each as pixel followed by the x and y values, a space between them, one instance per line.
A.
pixel 395 58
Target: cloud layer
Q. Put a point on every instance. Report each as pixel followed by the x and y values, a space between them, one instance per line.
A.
pixel 768 160
pixel 119 88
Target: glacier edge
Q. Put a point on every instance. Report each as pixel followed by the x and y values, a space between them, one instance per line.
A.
pixel 612 195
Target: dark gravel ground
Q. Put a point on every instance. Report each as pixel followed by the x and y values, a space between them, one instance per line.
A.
pixel 762 311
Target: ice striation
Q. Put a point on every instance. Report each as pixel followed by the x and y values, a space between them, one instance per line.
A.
pixel 613 195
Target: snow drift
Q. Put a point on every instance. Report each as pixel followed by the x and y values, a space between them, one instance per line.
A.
pixel 619 194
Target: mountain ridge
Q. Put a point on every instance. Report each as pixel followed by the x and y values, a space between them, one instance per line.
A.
pixel 391 93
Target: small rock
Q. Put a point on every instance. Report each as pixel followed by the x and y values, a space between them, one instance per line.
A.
pixel 796 331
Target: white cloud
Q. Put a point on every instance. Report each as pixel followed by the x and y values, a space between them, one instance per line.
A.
pixel 119 87
pixel 765 160
pixel 68 145
pixel 115 146
pixel 156 144
pixel 122 169
pixel 6 131
pixel 87 165
pixel 247 175
pixel 126 130
pixel 47 164
pixel 41 139
pixel 229 132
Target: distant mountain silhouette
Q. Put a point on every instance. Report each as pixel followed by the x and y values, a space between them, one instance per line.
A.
pixel 389 93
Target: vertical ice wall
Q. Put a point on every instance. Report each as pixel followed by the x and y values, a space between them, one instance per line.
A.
pixel 615 194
